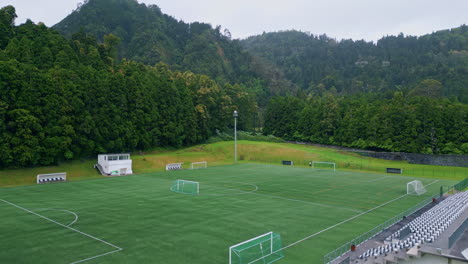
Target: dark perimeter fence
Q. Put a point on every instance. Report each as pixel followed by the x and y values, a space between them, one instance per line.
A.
pixel 461 186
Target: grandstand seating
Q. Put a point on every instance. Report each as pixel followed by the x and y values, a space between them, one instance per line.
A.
pixel 424 229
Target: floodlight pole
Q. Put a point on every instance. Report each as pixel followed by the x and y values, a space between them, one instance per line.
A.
pixel 235 114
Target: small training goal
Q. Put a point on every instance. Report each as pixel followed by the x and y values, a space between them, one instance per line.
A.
pixel 266 248
pixel 415 188
pixel 323 165
pixel 185 187
pixel 198 165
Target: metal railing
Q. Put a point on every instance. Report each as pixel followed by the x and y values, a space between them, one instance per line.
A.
pixel 461 185
pixel 454 237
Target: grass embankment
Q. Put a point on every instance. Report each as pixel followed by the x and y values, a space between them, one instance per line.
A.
pixel 221 153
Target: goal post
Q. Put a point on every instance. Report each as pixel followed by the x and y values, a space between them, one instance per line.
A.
pixel 186 187
pixel 266 248
pixel 323 165
pixel 415 188
pixel 198 165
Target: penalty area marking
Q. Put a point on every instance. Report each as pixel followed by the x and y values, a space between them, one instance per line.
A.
pixel 255 188
pixel 212 185
pixel 338 224
pixel 287 199
pixel 379 179
pixel 117 249
pixel 62 210
pixel 307 202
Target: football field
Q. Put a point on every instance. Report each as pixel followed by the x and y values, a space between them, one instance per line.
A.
pixel 138 219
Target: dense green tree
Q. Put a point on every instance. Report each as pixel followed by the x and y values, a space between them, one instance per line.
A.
pixel 7 22
pixel 428 88
pixel 409 124
pixel 65 99
pixel 430 65
pixel 281 116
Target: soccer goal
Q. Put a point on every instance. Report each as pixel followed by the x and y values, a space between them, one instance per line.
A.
pixel 266 248
pixel 415 188
pixel 323 165
pixel 198 165
pixel 186 187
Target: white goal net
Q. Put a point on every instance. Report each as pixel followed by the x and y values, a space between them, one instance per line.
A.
pixel 186 187
pixel 323 165
pixel 415 188
pixel 198 165
pixel 266 248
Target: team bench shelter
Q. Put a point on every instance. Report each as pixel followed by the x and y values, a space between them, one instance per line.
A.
pixel 51 177
pixel 114 164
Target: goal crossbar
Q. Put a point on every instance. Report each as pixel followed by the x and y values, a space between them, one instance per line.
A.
pixel 267 249
pixel 194 165
pixel 324 162
pixel 250 240
pixel 186 187
pixel 415 188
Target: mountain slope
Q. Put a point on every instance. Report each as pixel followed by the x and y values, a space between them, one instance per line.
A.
pixel 319 63
pixel 149 36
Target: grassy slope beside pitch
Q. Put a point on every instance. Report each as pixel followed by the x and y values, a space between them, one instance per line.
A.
pixel 221 153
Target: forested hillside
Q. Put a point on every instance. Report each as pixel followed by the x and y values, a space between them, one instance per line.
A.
pixel 404 94
pixel 149 36
pixel 65 98
pixel 407 124
pixel 123 76
pixel 435 64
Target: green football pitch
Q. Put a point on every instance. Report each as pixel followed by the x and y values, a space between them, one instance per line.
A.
pixel 138 219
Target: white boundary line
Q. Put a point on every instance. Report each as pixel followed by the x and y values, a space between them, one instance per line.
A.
pixel 71 228
pixel 349 219
pixel 301 201
pixel 288 199
pixel 231 189
pixel 335 225
pixel 431 183
pixel 97 256
pixel 62 210
pixel 342 222
pixel 331 227
pixel 378 179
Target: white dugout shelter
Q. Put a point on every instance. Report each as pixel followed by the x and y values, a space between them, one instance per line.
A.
pixel 115 164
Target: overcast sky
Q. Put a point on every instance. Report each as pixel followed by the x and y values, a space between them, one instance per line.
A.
pixel 356 19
